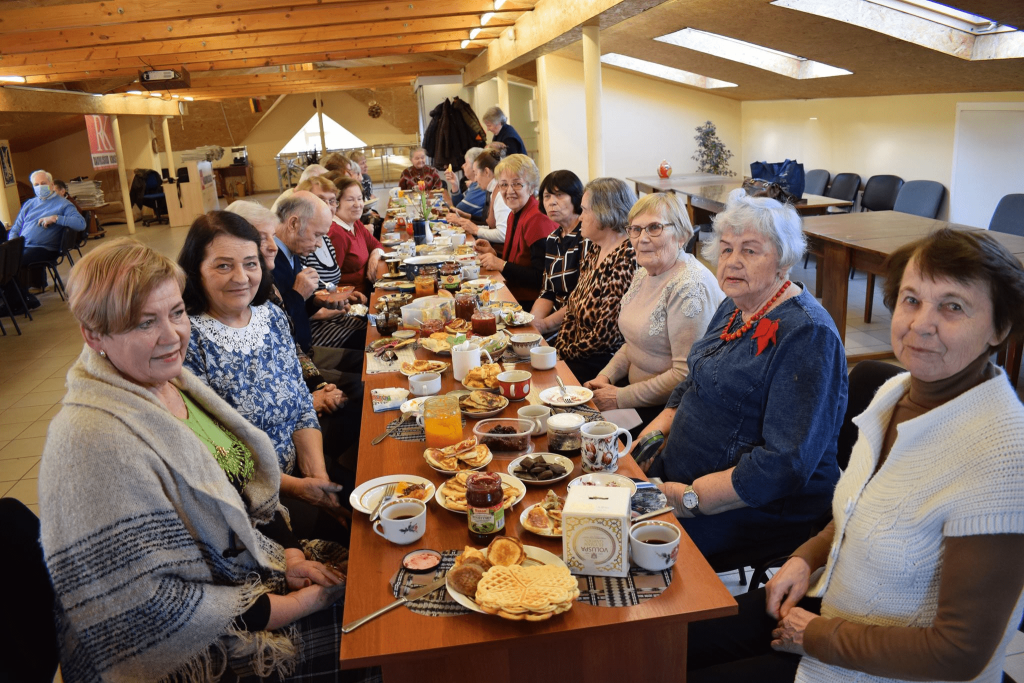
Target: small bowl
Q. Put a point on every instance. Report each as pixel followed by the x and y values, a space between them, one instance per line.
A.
pixel 425 384
pixel 422 561
pixel 404 334
pixel 407 288
pixel 514 384
pixel 543 357
pixel 519 442
pixel 522 343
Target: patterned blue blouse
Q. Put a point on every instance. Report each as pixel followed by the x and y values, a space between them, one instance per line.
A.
pixel 255 369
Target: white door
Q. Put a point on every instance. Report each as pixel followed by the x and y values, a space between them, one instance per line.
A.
pixel 988 160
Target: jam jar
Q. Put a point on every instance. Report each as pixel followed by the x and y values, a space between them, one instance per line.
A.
pixel 451 275
pixel 484 323
pixel 486 513
pixel 465 305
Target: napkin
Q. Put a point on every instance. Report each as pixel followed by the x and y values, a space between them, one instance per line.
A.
pixel 388 398
pixel 626 418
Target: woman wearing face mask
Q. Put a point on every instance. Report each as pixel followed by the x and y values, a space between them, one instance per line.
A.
pixel 419 172
pixel 561 194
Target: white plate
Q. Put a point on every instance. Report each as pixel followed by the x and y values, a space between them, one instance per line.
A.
pixel 548 458
pixel 452 473
pixel 605 479
pixel 486 413
pixel 485 282
pixel 413 405
pixel 534 556
pixel 366 496
pixel 505 479
pixel 404 334
pixel 417 372
pixel 522 523
pixel 494 390
pixel 578 395
pixel 520 319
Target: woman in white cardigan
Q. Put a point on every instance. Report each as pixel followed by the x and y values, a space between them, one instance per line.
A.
pixel 170 554
pixel 919 576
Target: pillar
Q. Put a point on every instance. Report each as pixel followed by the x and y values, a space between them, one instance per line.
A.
pixel 543 132
pixel 502 79
pixel 129 214
pixel 320 120
pixel 167 145
pixel 592 97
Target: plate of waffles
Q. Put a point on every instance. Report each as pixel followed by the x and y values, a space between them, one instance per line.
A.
pixel 465 455
pixel 544 518
pixel 479 404
pixel 410 368
pixel 451 495
pixel 512 581
pixel 365 497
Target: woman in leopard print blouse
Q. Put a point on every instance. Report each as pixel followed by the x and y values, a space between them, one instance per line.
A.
pixel 590 333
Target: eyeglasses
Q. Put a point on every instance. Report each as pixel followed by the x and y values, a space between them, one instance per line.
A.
pixel 331 202
pixel 515 185
pixel 653 230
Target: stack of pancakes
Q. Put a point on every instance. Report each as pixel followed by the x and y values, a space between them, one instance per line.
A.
pixel 464 455
pixel 483 377
pixel 482 402
pixel 454 492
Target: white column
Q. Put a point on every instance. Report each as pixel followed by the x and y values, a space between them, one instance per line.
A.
pixel 592 96
pixel 543 132
pixel 167 145
pixel 502 79
pixel 129 215
pixel 320 120
pixel 471 98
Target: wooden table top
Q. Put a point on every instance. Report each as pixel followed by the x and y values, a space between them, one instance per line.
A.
pixel 696 593
pixel 710 192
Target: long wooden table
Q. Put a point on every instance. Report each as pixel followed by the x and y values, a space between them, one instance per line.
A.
pixel 644 642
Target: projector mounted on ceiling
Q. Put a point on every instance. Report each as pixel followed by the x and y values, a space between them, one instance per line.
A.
pixel 166 79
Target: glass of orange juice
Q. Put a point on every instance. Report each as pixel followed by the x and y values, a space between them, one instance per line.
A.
pixel 442 421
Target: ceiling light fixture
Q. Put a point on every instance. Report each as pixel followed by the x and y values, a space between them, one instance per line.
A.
pixel 134 92
pixel 12 79
pixel 487 16
pixel 464 44
pixel 187 98
pixel 750 54
pixel 474 33
pixel 154 94
pixel 661 71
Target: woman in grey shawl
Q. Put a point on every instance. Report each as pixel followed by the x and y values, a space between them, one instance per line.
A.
pixel 170 554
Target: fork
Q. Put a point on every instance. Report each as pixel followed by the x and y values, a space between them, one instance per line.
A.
pixel 389 493
pixel 565 393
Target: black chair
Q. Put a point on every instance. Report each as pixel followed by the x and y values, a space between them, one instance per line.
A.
pixel 816 181
pixel 68 241
pixel 10 264
pixel 865 379
pixel 1009 215
pixel 28 637
pixel 880 194
pixel 844 186
pixel 920 198
pixel 153 197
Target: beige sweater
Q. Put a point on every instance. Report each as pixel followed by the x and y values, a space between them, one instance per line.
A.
pixel 661 316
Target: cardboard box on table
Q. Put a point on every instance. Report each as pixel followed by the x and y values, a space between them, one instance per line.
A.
pixel 595 530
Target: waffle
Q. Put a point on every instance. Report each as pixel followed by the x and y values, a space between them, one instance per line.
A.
pixel 527 593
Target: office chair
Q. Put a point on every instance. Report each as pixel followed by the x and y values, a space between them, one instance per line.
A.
pixel 153 197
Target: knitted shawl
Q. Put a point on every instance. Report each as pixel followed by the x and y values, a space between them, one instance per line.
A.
pixel 151 551
pixel 957 470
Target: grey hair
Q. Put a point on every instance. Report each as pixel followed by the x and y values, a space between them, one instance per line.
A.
pixel 610 201
pixel 353 166
pixel 418 149
pixel 297 206
pixel 256 214
pixel 778 222
pixel 495 115
pixel 312 170
pixel 672 210
pixel 49 176
pixel 472 153
pixel 520 166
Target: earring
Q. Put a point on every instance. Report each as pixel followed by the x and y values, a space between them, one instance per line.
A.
pixel 103 354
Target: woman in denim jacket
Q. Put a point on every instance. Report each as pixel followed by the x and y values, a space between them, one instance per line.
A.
pixel 750 455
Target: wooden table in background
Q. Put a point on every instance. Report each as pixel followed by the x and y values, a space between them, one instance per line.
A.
pixel 644 642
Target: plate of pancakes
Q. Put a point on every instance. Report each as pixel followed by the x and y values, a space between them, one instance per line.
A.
pixel 365 497
pixel 478 404
pixel 460 457
pixel 513 581
pixel 410 368
pixel 451 495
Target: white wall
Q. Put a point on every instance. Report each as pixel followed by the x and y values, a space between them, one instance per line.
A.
pixel 908 135
pixel 644 120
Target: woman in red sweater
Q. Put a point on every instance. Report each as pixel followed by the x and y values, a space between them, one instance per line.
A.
pixel 357 249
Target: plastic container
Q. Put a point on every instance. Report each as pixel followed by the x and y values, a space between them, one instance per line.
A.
pixel 514 440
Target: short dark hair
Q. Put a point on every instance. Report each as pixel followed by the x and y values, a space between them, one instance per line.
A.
pixel 965 256
pixel 487 160
pixel 60 184
pixel 204 230
pixel 562 181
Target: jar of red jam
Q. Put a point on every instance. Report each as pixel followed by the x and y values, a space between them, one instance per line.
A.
pixel 484 323
pixel 486 513
pixel 465 305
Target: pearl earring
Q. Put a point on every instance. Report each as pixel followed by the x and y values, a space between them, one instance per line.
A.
pixel 103 354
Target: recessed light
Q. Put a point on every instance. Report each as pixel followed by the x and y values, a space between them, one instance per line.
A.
pixel 154 94
pixel 12 79
pixel 134 92
pixel 187 98
pixel 661 71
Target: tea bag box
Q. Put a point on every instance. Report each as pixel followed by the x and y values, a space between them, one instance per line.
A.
pixel 595 530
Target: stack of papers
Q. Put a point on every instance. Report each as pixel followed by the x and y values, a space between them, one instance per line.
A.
pixel 87 193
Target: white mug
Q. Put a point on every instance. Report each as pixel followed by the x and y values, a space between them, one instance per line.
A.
pixel 458 239
pixel 465 357
pixel 470 270
pixel 600 446
pixel 402 521
pixel 543 357
pixel 538 415
pixel 654 545
pixel 425 384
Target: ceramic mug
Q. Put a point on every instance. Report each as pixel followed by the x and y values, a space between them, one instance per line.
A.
pixel 654 545
pixel 465 357
pixel 543 357
pixel 458 239
pixel 600 446
pixel 470 270
pixel 524 342
pixel 538 415
pixel 514 384
pixel 402 521
pixel 425 384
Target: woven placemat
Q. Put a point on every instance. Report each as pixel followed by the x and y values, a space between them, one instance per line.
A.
pixel 409 431
pixel 511 357
pixel 438 603
pixel 589 414
pixel 376 366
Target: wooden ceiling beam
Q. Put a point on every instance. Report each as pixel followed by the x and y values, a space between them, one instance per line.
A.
pixel 359 75
pixel 16 17
pixel 298 89
pixel 13 99
pixel 356 35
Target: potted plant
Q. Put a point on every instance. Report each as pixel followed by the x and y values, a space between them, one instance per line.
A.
pixel 711 156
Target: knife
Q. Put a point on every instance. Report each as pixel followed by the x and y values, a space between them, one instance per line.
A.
pixel 655 513
pixel 413 596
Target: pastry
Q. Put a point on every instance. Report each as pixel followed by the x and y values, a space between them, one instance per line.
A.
pixel 465 577
pixel 416 366
pixel 483 377
pixel 506 551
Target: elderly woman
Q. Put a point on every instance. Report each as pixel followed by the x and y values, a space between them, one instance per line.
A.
pixel 242 348
pixel 522 257
pixel 358 251
pixel 158 498
pixel 497 125
pixel 665 310
pixel 919 575
pixel 561 193
pixel 364 174
pixel 589 335
pixel 471 202
pixel 493 219
pixel 750 454
pixel 419 172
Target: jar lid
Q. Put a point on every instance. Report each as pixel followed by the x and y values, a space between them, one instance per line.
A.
pixel 566 421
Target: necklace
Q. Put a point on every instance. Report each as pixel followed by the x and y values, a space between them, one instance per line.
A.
pixel 236 461
pixel 729 336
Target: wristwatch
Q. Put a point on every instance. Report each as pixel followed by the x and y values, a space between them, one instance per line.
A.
pixel 691 501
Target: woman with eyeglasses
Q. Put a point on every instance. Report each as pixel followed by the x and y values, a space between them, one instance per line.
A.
pixel 358 250
pixel 523 256
pixel 665 310
pixel 589 335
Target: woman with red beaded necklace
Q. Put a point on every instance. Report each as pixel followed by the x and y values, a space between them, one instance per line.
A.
pixel 749 456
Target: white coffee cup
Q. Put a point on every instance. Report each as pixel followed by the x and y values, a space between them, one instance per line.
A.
pixel 543 357
pixel 470 271
pixel 600 447
pixel 425 384
pixel 465 357
pixel 654 545
pixel 458 239
pixel 402 521
pixel 538 415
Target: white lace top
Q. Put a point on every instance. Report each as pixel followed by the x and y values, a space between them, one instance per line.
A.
pixel 660 318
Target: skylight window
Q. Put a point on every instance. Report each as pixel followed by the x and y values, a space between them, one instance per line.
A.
pixel 922 22
pixel 308 137
pixel 753 55
pixel 662 71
